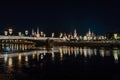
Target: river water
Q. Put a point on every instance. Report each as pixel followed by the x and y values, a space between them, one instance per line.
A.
pixel 61 62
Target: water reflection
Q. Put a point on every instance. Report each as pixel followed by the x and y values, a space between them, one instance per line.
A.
pixel 53 54
pixel 19 60
pixel 102 52
pixel 26 61
pixel 10 65
pixel 85 51
pixel 10 62
pixel 116 53
pixel 33 55
pixel 5 57
pixel 65 52
pixel 95 51
pixel 16 47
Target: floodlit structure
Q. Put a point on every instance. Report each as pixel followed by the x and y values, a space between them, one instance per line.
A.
pixel 10 31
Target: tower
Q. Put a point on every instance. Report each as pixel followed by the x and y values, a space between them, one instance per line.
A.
pixel 88 33
pixel 37 30
pixel 37 34
pixel 75 33
pixel 33 32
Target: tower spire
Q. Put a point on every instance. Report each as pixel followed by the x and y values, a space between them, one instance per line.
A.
pixel 32 31
pixel 89 32
pixel 37 30
pixel 75 33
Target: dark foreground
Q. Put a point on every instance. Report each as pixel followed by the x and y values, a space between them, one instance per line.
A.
pixel 68 63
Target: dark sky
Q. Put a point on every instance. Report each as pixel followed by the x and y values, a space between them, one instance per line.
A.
pixel 61 16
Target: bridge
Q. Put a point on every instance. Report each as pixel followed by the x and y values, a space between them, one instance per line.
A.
pixel 28 38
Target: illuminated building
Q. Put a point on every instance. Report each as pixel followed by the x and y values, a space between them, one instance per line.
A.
pixel 5 33
pixel 26 32
pixel 38 34
pixel 115 36
pixel 41 33
pixel 53 34
pixel 10 31
pixel 19 33
pixel 61 35
pixel 33 32
pixel 44 35
pixel 75 33
pixel 90 35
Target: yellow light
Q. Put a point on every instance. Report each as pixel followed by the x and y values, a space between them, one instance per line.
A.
pixel 37 35
pixel 10 62
pixel 26 58
pixel 10 31
pixel 42 56
pixel 115 36
pixel 5 33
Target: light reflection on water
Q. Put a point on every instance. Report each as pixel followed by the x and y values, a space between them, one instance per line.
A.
pixel 32 58
pixel 86 51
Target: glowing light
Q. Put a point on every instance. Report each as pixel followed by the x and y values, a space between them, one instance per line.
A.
pixel 41 33
pixel 102 52
pixel 95 51
pixel 37 56
pixel 10 62
pixel 6 57
pixel 44 35
pixel 53 54
pixel 10 31
pixel 26 58
pixel 26 32
pixel 53 34
pixel 61 54
pixel 68 50
pixel 5 33
pixel 85 52
pixel 33 55
pixel 19 60
pixel 75 52
pixel 115 54
pixel 37 35
pixel 42 56
pixel 115 36
pixel 19 57
pixel 81 51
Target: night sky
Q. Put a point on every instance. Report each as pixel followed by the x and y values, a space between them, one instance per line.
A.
pixel 61 16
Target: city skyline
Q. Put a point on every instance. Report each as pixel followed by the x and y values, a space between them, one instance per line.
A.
pixel 100 16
